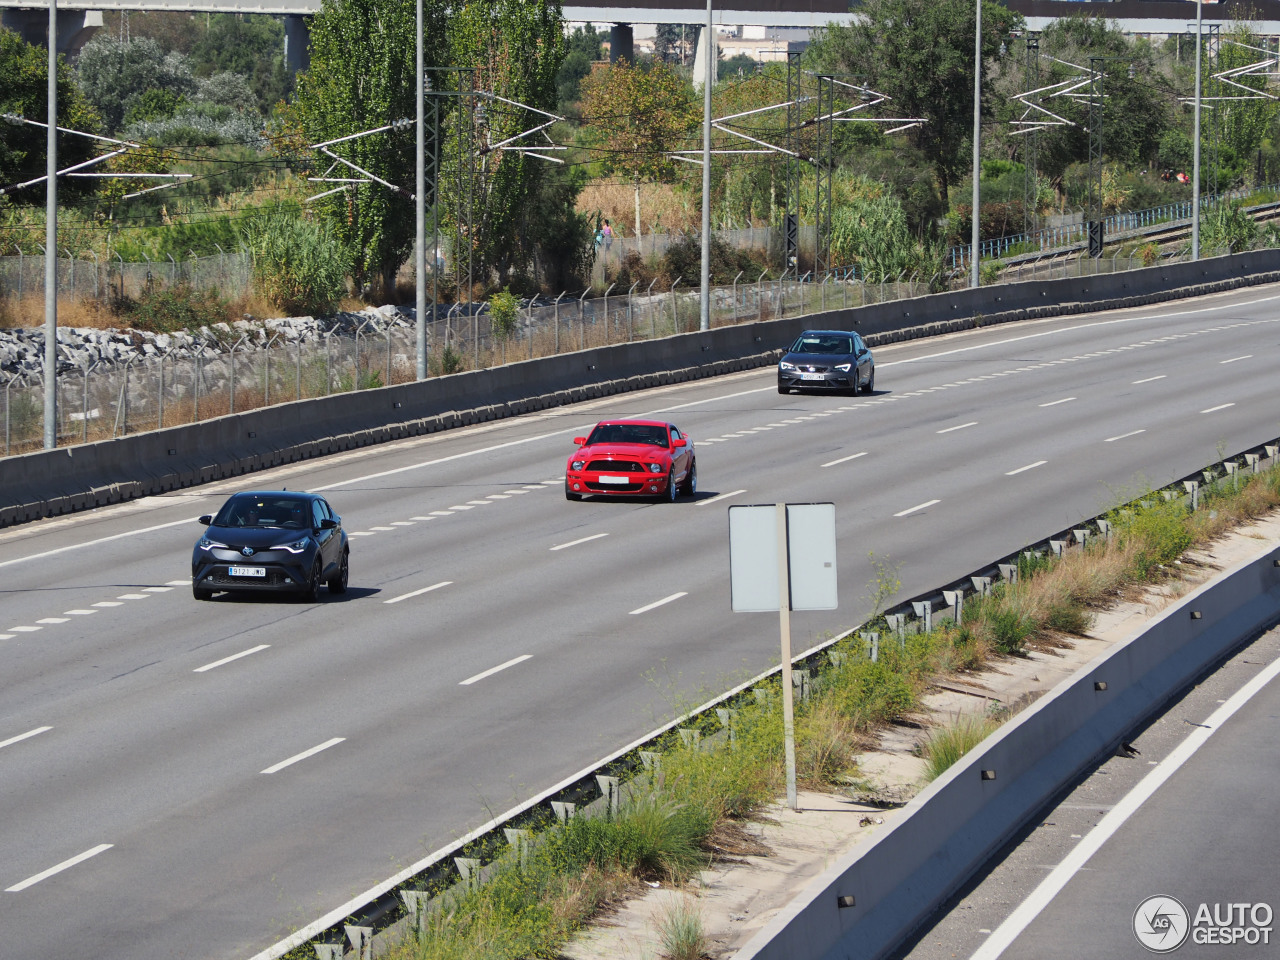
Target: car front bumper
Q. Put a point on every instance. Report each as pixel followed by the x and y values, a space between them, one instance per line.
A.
pixel 635 485
pixel 826 381
pixel 277 574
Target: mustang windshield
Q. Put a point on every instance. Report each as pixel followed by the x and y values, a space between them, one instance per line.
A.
pixel 629 433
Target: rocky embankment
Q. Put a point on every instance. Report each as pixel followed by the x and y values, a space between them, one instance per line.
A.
pixel 79 348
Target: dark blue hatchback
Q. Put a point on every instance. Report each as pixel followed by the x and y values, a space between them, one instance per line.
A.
pixel 271 541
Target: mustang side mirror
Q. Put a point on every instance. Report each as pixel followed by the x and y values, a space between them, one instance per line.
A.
pixel 682 442
pixel 579 440
pixel 206 519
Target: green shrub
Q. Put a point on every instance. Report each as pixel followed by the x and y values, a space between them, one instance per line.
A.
pixel 168 309
pixel 948 744
pixel 298 264
pixel 504 313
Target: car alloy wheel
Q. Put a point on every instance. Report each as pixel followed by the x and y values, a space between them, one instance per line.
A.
pixel 339 583
pixel 673 490
pixel 690 485
pixel 871 380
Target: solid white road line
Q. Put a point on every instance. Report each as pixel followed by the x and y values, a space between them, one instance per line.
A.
pixel 418 593
pixel 1247 356
pixel 1149 379
pixel 24 736
pixel 919 506
pixel 1123 436
pixel 574 543
pixel 492 670
pixel 1221 406
pixel 304 754
pixel 1114 819
pixel 234 656
pixel 658 603
pixel 65 864
pixel 1054 403
pixel 1029 466
pixel 718 496
pixel 853 456
pixel 971 423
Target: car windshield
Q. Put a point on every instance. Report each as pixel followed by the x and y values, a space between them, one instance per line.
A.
pixel 629 433
pixel 823 343
pixel 282 512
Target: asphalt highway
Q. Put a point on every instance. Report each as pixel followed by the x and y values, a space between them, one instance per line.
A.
pixel 185 779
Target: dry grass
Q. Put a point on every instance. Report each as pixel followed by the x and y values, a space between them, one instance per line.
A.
pixel 663 209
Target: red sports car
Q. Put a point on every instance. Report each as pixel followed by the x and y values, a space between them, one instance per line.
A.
pixel 632 458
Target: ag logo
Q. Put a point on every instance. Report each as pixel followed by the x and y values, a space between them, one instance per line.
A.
pixel 1161 924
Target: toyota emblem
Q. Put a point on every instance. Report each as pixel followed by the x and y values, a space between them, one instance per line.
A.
pixel 247 551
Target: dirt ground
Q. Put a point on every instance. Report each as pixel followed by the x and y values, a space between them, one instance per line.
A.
pixel 739 894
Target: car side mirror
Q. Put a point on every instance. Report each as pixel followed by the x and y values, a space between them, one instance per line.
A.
pixel 579 441
pixel 682 442
pixel 206 519
pixel 328 524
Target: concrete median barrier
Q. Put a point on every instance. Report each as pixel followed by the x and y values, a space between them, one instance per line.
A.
pixel 48 483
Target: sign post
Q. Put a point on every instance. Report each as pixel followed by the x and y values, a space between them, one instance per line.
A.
pixel 783 557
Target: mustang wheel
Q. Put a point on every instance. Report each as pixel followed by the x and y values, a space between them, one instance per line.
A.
pixel 690 485
pixel 339 583
pixel 673 489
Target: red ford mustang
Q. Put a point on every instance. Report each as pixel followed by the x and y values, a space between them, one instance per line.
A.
pixel 632 458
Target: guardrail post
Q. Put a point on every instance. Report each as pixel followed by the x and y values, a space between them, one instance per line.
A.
pixel 1081 535
pixel 1252 460
pixel 727 717
pixel 611 790
pixel 361 938
pixel 981 586
pixel 415 904
pixel 1008 572
pixel 468 869
pixel 564 810
pixel 897 622
pixel 1057 546
pixel 924 613
pixel 653 760
pixel 1104 528
pixel 690 738
pixel 955 600
pixel 329 951
pixel 872 639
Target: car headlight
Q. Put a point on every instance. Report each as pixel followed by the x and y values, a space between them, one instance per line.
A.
pixel 789 367
pixel 843 367
pixel 296 547
pixel 207 544
pixel 576 465
pixel 655 468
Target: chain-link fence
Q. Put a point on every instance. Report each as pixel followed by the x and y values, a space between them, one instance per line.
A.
pixel 93 279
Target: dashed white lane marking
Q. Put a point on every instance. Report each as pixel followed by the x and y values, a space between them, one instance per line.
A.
pixel 423 518
pixel 1029 466
pixel 65 864
pixel 658 603
pixel 853 456
pixel 418 593
pixel 108 603
pixel 492 670
pixel 304 754
pixel 1131 433
pixel 6 636
pixel 382 529
pixel 442 513
pixel 53 620
pixel 25 629
pixel 1247 356
pixel 462 506
pixel 718 496
pixel 133 596
pixel 574 543
pixel 361 533
pixel 480 503
pixel 1150 379
pixel 516 493
pixel 402 523
pixel 553 483
pixel 24 736
pixel 177 583
pixel 971 423
pixel 1221 406
pixel 918 506
pixel 234 656
pixel 1054 403
pixel 533 486
pixel 497 496
pixel 156 589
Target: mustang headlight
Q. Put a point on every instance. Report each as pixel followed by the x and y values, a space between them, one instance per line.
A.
pixel 655 468
pixel 296 547
pixel 789 367
pixel 207 544
pixel 843 367
pixel 577 465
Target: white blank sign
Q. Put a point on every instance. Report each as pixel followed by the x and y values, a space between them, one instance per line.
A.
pixel 811 551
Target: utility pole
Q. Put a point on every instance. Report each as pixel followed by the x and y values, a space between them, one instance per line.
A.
pixel 51 245
pixel 420 204
pixel 975 235
pixel 709 46
pixel 1195 140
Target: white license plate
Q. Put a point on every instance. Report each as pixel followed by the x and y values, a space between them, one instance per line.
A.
pixel 813 376
pixel 611 478
pixel 247 571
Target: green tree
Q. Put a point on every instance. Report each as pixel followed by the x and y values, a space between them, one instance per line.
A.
pixel 249 45
pixel 361 78
pixel 920 53
pixel 114 75
pixel 25 93
pixel 637 117
pixel 517 48
pixel 583 47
